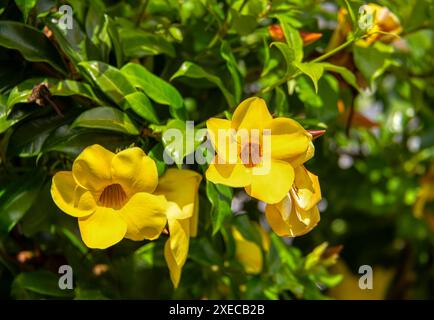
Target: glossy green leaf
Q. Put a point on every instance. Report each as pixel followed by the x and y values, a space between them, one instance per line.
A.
pixel 156 88
pixel 231 64
pixel 141 105
pixel 17 199
pixel 31 43
pixel 108 79
pixel 106 118
pixel 292 37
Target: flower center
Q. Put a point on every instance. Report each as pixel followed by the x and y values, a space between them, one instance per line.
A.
pixel 113 196
pixel 251 154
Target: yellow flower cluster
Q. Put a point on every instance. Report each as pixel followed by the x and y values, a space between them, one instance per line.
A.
pixel 290 191
pixel 116 196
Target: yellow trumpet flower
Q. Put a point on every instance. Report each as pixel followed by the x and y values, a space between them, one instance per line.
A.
pixel 180 188
pixel 297 213
pixel 264 162
pixel 112 196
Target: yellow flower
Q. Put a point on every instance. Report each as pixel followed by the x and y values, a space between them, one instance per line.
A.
pixel 248 253
pixel 112 196
pixel 180 188
pixel 384 21
pixel 297 213
pixel 289 146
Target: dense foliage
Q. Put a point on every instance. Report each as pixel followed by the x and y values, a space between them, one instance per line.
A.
pixel 127 71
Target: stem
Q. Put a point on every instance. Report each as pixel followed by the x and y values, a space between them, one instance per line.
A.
pixel 334 51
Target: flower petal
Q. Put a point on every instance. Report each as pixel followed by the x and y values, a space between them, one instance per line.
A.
pixel 104 228
pixel 92 168
pixel 247 253
pixel 232 175
pixel 223 139
pixel 288 138
pixel 174 269
pixel 134 171
pixel 272 187
pixel 252 113
pixel 145 215
pixel 302 158
pixel 179 239
pixel 307 192
pixel 284 219
pixel 181 187
pixel 70 197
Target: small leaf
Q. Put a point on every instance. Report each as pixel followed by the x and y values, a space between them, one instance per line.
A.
pixel 292 37
pixel 288 55
pixel 106 118
pixel 191 70
pixel 312 70
pixel 220 198
pixel 140 104
pixel 156 153
pixel 348 76
pixel 156 88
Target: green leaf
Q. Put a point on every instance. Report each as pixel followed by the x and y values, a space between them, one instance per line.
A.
pixel 73 42
pixel 243 24
pixel 96 26
pixel 292 37
pixel 116 41
pixel 25 6
pixel 156 88
pixel 312 70
pixel 247 229
pixel 73 140
pixel 231 64
pixel 31 43
pixel 29 136
pixel 106 118
pixel 17 199
pixel 191 70
pixel 220 198
pixel 141 105
pixel 280 102
pixel 348 76
pixel 156 153
pixel 288 55
pixel 39 282
pixel 109 80
pixel 22 92
pixel 139 44
pixel 176 146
